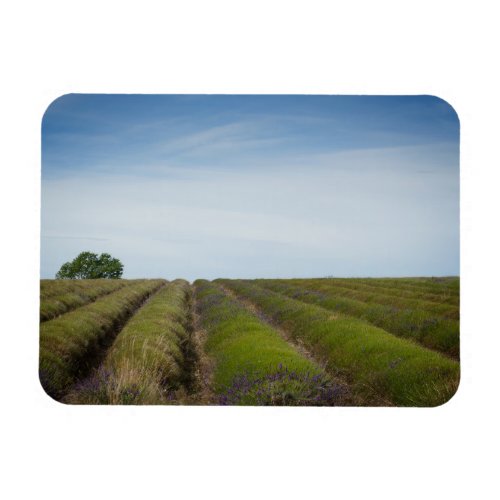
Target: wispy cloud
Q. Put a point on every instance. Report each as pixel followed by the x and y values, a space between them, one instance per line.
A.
pixel 209 190
pixel 325 212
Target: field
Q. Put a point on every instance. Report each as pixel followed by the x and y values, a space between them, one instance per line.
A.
pixel 296 342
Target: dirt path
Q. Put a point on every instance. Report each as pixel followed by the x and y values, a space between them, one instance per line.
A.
pixel 200 390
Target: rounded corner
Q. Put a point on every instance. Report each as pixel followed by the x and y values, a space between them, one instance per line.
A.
pixel 53 103
pixel 47 393
pixel 446 103
pixel 453 394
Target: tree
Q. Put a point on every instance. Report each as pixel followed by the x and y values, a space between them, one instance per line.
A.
pixel 88 265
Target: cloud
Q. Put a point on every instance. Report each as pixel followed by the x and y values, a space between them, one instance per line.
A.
pixel 252 186
pixel 357 212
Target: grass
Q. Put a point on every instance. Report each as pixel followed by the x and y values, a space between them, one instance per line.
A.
pixel 69 342
pixel 61 296
pixel 399 371
pixel 426 328
pixel 253 364
pixel 148 360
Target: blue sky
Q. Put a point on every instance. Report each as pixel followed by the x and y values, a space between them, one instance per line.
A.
pixel 201 186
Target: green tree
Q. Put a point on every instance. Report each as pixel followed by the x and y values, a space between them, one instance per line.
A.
pixel 88 265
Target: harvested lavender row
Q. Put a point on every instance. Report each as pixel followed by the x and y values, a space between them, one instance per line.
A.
pixel 147 360
pixel 253 364
pixel 68 343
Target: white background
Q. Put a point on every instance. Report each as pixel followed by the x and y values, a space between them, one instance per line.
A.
pixel 387 47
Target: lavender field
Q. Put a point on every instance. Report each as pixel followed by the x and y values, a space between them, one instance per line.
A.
pixel 292 342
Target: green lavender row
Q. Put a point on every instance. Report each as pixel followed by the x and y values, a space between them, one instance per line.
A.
pixel 421 326
pixel 253 364
pixel 376 295
pixel 402 372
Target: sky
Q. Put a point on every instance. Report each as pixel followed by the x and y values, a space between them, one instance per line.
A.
pixel 258 186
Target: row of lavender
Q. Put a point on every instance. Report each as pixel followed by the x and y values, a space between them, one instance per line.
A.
pixel 118 350
pixel 430 323
pixel 71 344
pixel 375 362
pixel 149 359
pixel 252 363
